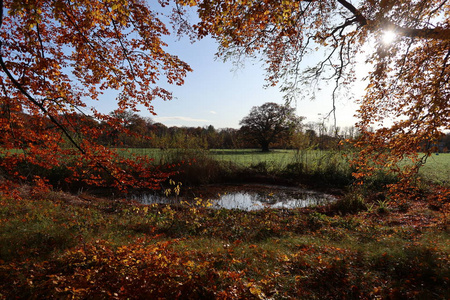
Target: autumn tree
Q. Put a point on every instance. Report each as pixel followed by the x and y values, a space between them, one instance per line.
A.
pixel 268 123
pixel 405 43
pixel 54 55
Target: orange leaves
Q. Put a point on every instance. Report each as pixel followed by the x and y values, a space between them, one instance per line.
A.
pixel 256 27
pixel 409 91
pixel 135 271
pixel 55 54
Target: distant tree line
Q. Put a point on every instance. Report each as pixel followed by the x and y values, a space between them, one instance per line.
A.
pixel 143 132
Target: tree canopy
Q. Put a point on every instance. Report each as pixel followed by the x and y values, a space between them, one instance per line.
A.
pixel 56 54
pixel 408 92
pixel 268 123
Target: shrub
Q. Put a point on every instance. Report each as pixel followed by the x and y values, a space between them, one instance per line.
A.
pixel 352 202
pixel 196 167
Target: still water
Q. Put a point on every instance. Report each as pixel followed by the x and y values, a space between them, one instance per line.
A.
pixel 247 197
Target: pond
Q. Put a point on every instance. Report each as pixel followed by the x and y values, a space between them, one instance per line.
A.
pixel 246 197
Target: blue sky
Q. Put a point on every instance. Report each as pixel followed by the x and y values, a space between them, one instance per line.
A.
pixel 217 94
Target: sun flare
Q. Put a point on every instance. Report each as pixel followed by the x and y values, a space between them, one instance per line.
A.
pixel 389 36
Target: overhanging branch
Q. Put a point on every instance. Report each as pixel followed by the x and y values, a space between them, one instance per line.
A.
pixel 436 33
pixel 359 17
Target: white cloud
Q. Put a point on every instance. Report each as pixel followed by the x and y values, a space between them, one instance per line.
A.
pixel 213 112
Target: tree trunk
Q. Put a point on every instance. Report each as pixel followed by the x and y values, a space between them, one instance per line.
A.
pixel 264 146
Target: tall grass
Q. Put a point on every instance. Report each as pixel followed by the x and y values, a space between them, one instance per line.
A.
pixel 197 166
pixel 200 166
pixel 323 167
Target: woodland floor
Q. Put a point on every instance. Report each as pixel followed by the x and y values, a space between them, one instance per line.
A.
pixel 56 245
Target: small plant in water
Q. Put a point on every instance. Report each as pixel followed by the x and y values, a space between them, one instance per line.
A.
pixel 198 202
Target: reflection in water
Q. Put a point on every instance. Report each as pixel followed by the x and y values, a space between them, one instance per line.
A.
pixel 252 198
pixel 148 199
pixel 254 201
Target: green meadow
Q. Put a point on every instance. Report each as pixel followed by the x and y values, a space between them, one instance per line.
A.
pixel 436 168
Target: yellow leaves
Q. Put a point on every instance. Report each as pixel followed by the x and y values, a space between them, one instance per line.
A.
pixel 190 2
pixel 190 264
pixel 256 290
pixel 115 6
pixel 285 258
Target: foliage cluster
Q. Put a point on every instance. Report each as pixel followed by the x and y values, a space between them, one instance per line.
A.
pixel 53 56
pixel 61 246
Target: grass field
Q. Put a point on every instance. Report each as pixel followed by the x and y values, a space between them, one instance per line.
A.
pixel 436 169
pixel 242 157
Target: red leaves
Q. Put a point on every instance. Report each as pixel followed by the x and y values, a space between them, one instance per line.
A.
pixel 54 55
pixel 136 271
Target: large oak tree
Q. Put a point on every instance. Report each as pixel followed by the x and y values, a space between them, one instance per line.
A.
pixel 407 97
pixel 269 123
